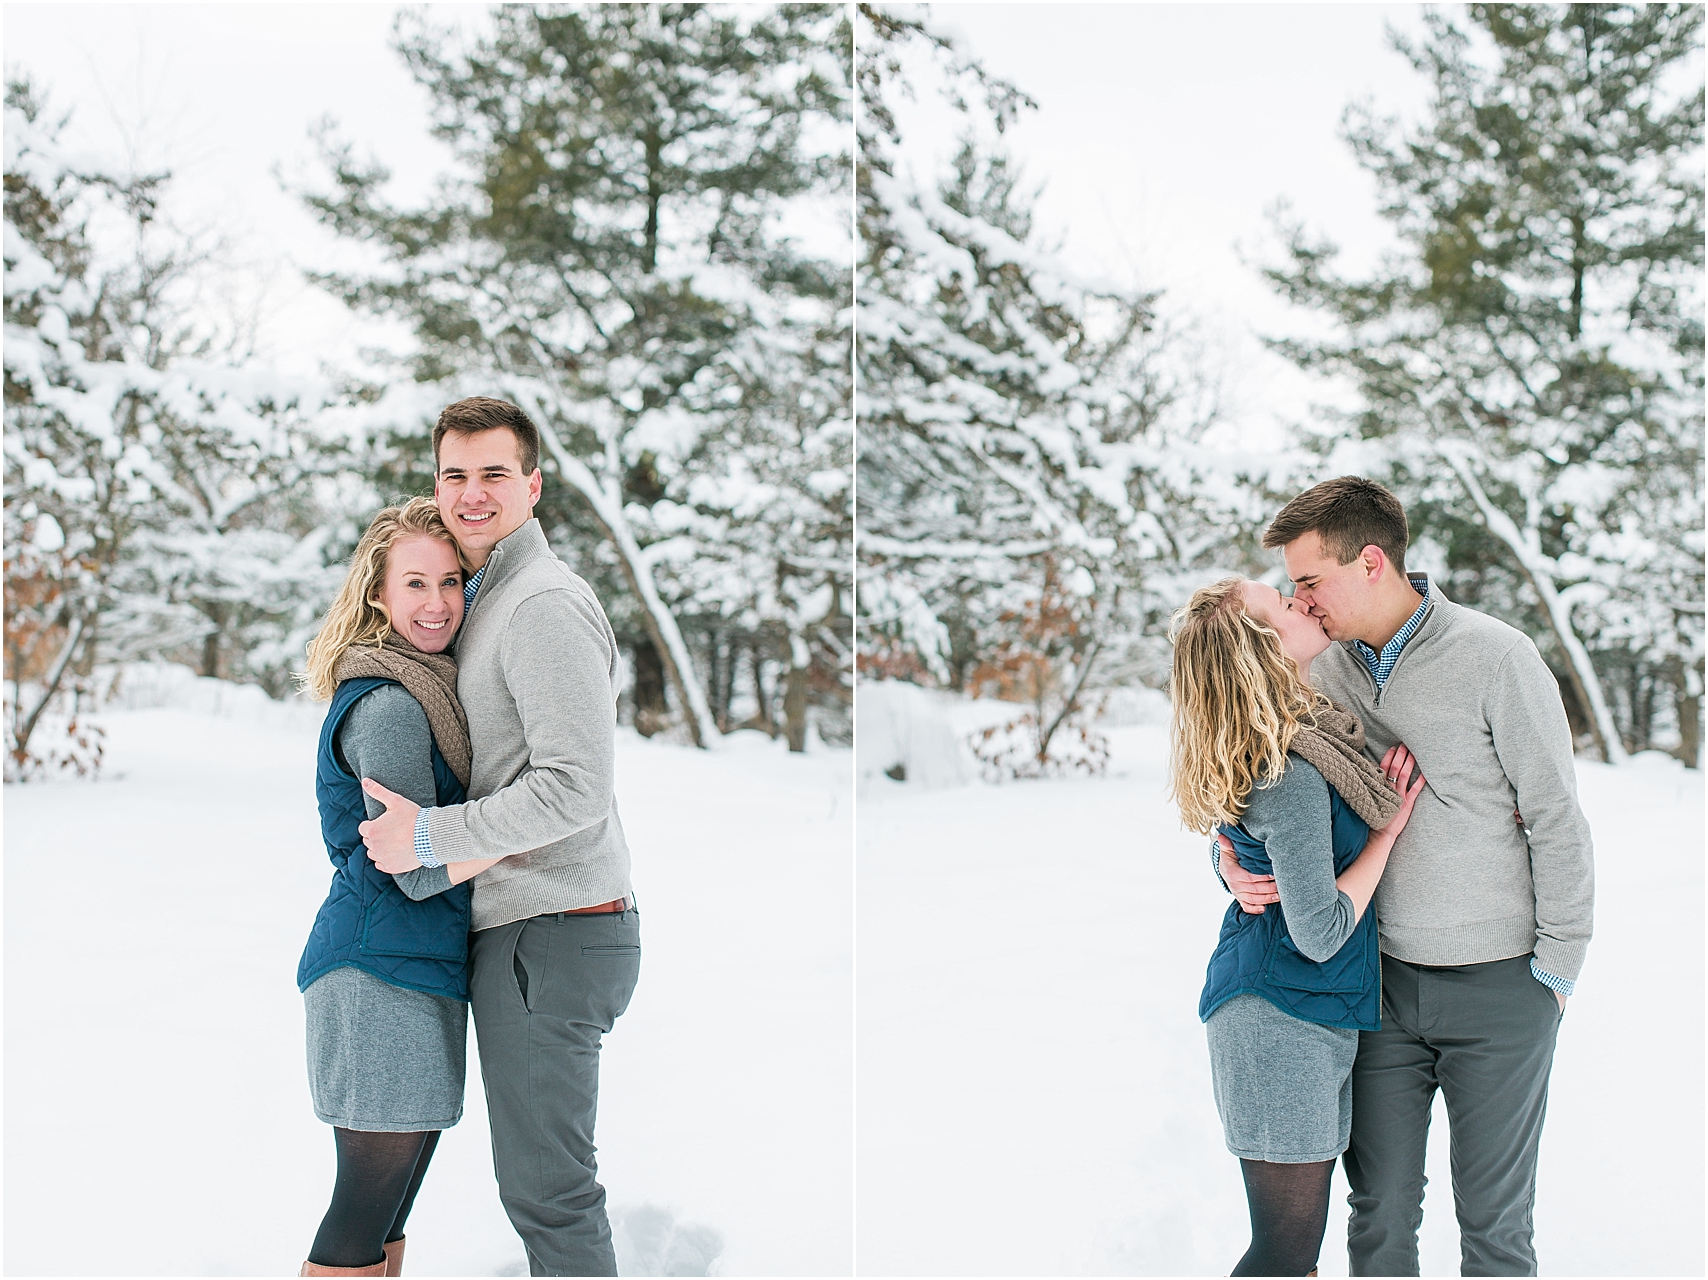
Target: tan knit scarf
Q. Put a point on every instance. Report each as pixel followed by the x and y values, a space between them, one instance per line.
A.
pixel 1336 748
pixel 431 679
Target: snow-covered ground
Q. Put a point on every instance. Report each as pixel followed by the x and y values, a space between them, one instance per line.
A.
pixel 157 1114
pixel 1032 1083
pixel 1032 1087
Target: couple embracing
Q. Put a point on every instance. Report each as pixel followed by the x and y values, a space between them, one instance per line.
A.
pixel 1367 748
pixel 468 808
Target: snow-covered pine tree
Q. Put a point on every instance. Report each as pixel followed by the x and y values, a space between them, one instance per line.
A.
pixel 148 477
pixel 1017 422
pixel 1531 363
pixel 258 504
pixel 763 538
pixel 630 253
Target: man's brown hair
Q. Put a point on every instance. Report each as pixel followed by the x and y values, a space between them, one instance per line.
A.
pixel 1348 513
pixel 483 413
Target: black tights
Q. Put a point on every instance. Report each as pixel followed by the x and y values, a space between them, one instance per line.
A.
pixel 1289 1211
pixel 378 1176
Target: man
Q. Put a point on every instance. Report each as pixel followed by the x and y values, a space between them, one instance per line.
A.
pixel 555 946
pixel 1484 921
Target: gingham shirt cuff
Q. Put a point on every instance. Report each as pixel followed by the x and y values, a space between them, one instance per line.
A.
pixel 1552 981
pixel 423 845
pixel 1216 861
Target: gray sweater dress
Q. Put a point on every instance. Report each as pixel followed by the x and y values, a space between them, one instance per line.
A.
pixel 386 1059
pixel 1284 1086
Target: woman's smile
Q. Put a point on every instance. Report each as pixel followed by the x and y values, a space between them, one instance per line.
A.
pixel 423 592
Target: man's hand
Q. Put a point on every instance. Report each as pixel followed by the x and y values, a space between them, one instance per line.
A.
pixel 1251 892
pixel 390 838
pixel 1561 997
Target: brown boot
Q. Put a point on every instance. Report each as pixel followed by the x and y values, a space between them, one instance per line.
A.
pixel 315 1269
pixel 394 1256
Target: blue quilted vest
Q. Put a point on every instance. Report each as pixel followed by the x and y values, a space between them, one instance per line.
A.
pixel 367 921
pixel 1255 954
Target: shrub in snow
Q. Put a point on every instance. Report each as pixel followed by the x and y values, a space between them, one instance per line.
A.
pixel 1017 749
pixel 60 738
pixel 1044 659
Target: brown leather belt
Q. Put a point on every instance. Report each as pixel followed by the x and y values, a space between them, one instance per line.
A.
pixel 604 908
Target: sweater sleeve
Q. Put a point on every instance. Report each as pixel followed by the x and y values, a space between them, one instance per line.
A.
pixel 556 659
pixel 1533 742
pixel 1293 820
pixel 385 737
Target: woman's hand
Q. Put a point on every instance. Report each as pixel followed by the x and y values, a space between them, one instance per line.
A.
pixel 1396 763
pixel 1252 892
pixel 1358 881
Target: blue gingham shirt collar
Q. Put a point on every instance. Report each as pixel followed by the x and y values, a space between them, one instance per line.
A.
pixel 1382 664
pixel 470 588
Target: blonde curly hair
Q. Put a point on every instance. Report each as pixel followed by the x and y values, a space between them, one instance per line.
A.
pixel 1238 704
pixel 356 616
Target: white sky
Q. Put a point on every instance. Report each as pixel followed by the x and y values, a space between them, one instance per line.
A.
pixel 1165 131
pixel 222 95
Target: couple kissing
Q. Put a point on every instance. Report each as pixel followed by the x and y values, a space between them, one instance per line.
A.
pixel 1389 780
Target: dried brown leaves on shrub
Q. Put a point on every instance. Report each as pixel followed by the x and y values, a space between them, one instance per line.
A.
pixel 1045 661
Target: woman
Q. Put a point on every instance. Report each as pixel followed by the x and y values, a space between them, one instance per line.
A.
pixel 384 976
pixel 1278 770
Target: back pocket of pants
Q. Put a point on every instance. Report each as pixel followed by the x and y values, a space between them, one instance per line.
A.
pixel 611 951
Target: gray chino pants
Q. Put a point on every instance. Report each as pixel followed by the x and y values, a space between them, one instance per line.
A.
pixel 544 991
pixel 1484 1035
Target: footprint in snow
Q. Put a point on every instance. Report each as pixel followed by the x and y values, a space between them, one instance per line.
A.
pixel 650 1241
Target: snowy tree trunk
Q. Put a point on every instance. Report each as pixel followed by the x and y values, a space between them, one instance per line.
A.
pixel 660 625
pixel 762 698
pixel 1538 570
pixel 795 693
pixel 1687 706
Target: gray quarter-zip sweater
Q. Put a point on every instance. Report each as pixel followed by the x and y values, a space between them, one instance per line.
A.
pixel 537 676
pixel 1475 703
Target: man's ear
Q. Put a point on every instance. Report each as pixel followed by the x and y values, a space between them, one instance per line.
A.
pixel 536 482
pixel 1375 562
